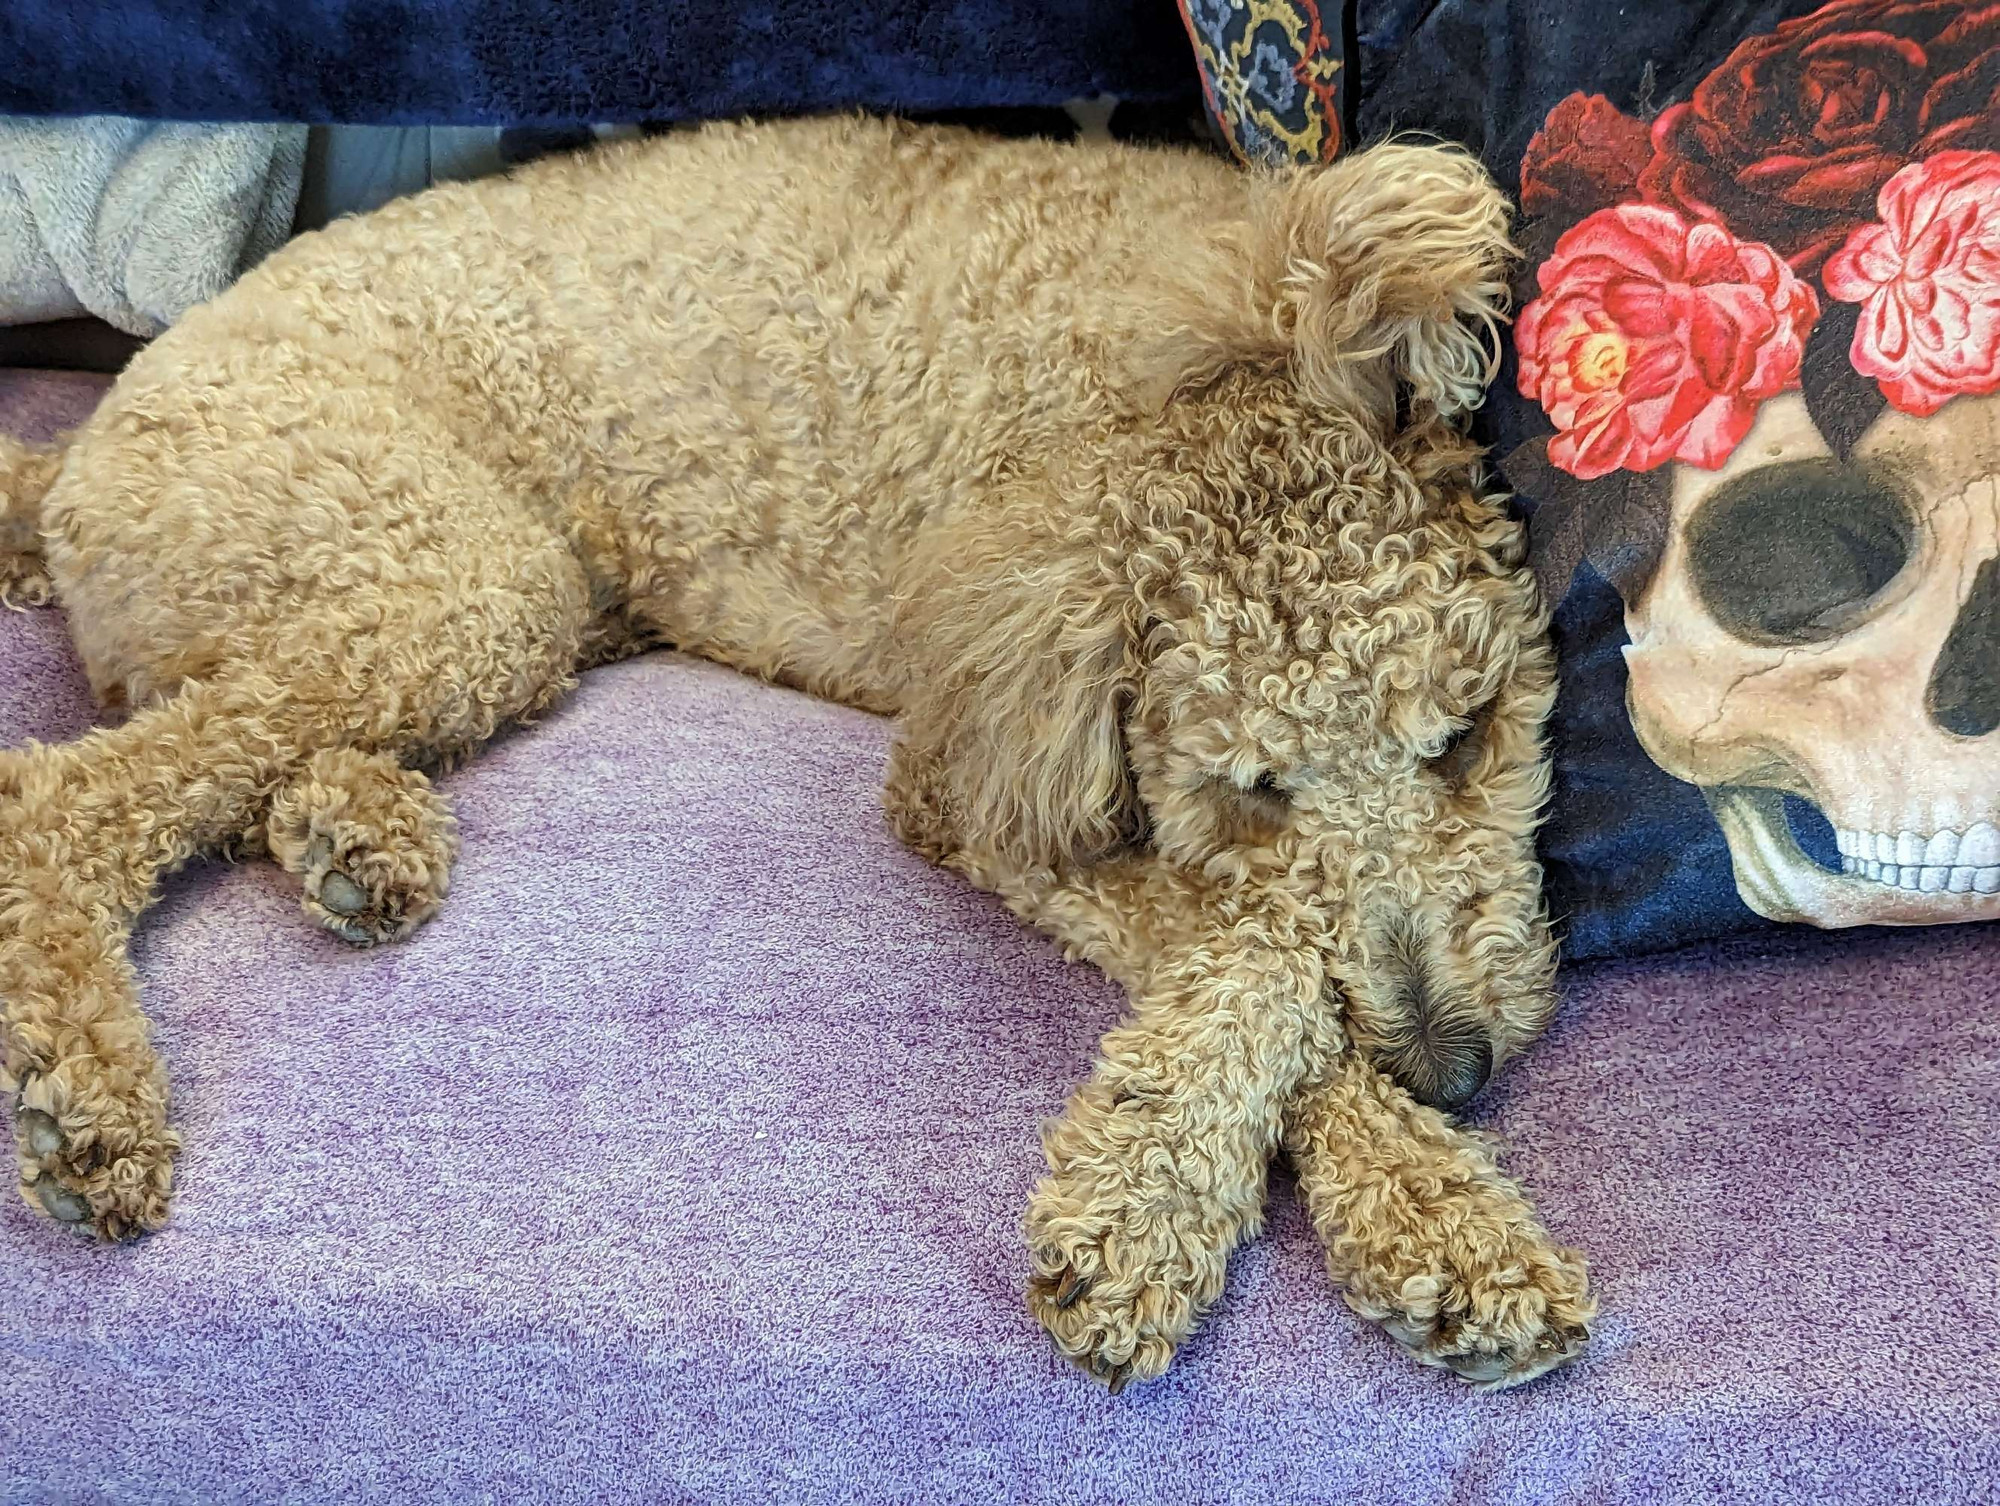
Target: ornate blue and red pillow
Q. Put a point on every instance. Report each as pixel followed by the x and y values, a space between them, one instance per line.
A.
pixel 1271 74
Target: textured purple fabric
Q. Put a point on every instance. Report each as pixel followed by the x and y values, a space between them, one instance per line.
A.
pixel 682 1158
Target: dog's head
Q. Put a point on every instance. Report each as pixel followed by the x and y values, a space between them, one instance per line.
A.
pixel 1338 696
pixel 1286 640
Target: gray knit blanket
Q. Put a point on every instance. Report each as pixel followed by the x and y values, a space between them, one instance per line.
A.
pixel 136 221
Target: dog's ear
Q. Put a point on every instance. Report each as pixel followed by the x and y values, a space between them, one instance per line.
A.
pixel 1394 258
pixel 1012 729
pixel 1388 266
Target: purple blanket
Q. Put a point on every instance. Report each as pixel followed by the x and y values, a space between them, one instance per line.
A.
pixel 682 1159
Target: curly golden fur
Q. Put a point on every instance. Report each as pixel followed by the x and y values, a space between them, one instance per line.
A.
pixel 1126 481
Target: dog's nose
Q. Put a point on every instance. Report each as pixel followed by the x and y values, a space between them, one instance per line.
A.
pixel 1437 1048
pixel 1452 1073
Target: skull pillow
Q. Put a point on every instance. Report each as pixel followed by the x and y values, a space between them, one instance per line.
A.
pixel 1830 629
pixel 1760 336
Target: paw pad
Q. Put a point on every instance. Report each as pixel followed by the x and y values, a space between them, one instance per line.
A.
pixel 107 1174
pixel 41 1132
pixel 372 843
pixel 62 1205
pixel 342 895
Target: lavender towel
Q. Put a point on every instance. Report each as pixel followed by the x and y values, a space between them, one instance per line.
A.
pixel 682 1158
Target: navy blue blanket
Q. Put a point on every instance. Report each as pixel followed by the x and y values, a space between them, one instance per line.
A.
pixel 497 62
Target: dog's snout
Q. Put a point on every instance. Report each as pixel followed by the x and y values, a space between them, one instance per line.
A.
pixel 1452 1075
pixel 1437 1050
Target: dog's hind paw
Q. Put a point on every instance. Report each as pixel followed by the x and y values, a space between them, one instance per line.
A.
pixel 372 842
pixel 24 582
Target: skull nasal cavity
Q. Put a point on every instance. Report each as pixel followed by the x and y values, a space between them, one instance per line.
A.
pixel 1965 686
pixel 1793 553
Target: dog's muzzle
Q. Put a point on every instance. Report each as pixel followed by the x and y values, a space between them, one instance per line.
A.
pixel 1438 1049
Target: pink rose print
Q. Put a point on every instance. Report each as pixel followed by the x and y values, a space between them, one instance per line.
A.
pixel 1655 340
pixel 1928 279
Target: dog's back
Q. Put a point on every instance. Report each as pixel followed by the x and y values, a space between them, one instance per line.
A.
pixel 753 357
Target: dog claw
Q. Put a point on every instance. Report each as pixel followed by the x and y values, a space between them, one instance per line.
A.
pixel 44 1135
pixel 61 1204
pixel 1072 1289
pixel 1115 1377
pixel 341 895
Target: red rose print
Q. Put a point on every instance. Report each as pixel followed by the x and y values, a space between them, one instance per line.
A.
pixel 1587 154
pixel 1792 137
pixel 1928 280
pixel 1655 340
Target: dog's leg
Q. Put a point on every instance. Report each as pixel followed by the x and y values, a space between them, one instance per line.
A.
pixel 485 627
pixel 26 473
pixel 1157 1169
pixel 1426 1235
pixel 92 1143
pixel 372 842
pixel 86 830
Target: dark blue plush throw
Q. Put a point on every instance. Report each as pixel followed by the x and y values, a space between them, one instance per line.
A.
pixel 511 62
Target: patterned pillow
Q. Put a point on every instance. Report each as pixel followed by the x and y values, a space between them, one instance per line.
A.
pixel 1270 75
pixel 1755 401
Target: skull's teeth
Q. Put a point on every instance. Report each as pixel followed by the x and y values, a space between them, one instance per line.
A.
pixel 1942 862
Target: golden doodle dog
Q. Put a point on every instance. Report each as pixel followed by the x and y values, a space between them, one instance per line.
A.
pixel 1125 480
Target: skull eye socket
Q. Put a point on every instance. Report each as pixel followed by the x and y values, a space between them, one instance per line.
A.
pixel 1964 694
pixel 1795 553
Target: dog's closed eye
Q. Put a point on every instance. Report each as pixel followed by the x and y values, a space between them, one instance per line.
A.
pixel 1461 750
pixel 1251 813
pixel 1267 801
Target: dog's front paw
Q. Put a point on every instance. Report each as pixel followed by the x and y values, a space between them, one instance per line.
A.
pixel 1426 1235
pixel 1493 1300
pixel 93 1146
pixel 1130 1236
pixel 1116 1287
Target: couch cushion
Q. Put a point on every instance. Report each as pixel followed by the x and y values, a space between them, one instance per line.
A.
pixel 682 1158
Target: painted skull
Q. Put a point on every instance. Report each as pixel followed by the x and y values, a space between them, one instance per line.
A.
pixel 1830 629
